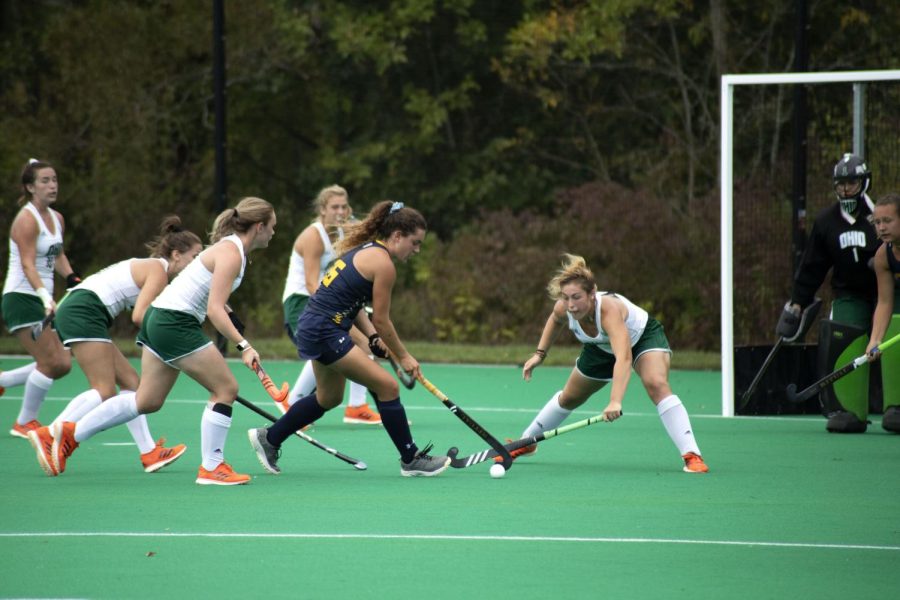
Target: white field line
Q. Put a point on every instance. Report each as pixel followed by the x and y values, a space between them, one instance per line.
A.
pixel 452 538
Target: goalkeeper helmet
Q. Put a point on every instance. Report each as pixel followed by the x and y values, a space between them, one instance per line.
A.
pixel 851 180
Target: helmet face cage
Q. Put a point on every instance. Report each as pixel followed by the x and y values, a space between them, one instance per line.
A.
pixel 851 169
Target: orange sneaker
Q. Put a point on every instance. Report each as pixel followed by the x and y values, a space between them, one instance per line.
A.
pixel 64 444
pixel 161 456
pixel 362 415
pixel 42 442
pixel 523 451
pixel 221 475
pixel 22 430
pixel 693 463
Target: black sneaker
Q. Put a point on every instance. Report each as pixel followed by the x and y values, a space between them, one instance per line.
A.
pixel 845 422
pixel 891 419
pixel 424 465
pixel 267 454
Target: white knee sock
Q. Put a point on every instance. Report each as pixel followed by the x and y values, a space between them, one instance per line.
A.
pixel 675 419
pixel 357 394
pixel 114 411
pixel 79 406
pixel 16 376
pixel 140 431
pixel 550 417
pixel 36 387
pixel 213 433
pixel 305 384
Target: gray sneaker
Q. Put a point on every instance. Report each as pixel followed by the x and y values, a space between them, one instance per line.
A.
pixel 424 465
pixel 267 454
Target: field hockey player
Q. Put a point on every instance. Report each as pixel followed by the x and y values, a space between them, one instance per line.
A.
pixel 173 340
pixel 886 319
pixel 616 336
pixel 35 254
pixel 83 319
pixel 364 271
pixel 312 253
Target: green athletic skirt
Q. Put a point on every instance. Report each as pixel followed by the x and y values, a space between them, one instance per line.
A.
pixel 21 310
pixel 293 306
pixel 82 317
pixel 595 363
pixel 171 334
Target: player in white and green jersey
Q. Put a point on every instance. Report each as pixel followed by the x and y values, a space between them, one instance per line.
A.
pixel 35 254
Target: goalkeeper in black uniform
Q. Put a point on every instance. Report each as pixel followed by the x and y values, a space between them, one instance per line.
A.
pixel 842 240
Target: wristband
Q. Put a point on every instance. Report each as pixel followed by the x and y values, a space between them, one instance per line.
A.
pixel 542 354
pixel 72 279
pixel 375 348
pixel 45 297
pixel 243 345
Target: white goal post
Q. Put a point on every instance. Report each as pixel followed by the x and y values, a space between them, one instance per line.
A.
pixel 726 182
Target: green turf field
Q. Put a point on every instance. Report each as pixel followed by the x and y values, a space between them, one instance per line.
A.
pixel 604 512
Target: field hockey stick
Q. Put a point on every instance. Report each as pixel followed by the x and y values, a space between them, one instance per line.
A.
pixel 276 394
pixel 470 422
pixel 408 381
pixel 791 390
pixel 38 328
pixel 358 464
pixel 478 457
pixel 745 398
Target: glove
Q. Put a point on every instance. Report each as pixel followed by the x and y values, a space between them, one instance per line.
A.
pixel 789 322
pixel 375 348
pixel 72 279
pixel 236 322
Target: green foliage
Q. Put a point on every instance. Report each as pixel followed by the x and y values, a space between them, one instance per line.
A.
pixel 520 128
pixel 487 285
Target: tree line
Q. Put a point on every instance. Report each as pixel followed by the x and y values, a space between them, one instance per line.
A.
pixel 520 128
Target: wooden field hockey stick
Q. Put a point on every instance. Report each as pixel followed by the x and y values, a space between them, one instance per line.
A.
pixel 276 394
pixel 791 390
pixel 470 422
pixel 478 457
pixel 408 381
pixel 38 328
pixel 358 464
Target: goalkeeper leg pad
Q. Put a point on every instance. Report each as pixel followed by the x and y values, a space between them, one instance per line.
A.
pixel 890 377
pixel 839 344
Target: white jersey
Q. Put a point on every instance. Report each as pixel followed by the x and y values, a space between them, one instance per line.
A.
pixel 296 277
pixel 49 245
pixel 635 322
pixel 189 291
pixel 115 286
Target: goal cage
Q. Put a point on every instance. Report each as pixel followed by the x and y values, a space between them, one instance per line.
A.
pixel 848 111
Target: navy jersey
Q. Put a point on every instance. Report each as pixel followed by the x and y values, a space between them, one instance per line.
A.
pixel 343 290
pixel 893 264
pixel 843 247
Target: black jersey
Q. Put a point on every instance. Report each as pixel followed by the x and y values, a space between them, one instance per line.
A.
pixel 843 247
pixel 343 290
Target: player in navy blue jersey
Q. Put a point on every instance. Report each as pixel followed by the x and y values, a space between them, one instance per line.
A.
pixel 362 273
pixel 886 319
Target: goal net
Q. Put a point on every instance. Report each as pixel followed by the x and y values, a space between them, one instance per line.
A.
pixel 846 112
